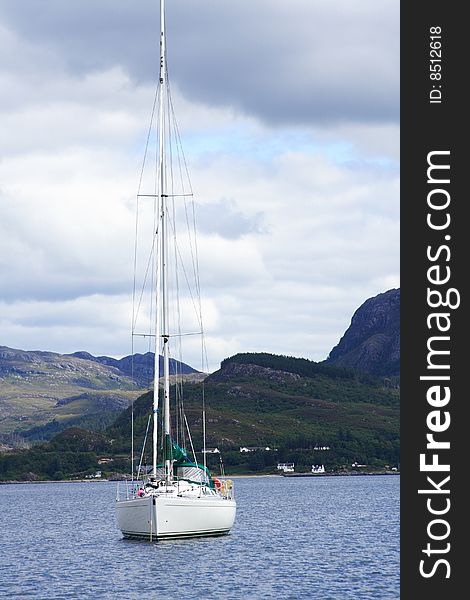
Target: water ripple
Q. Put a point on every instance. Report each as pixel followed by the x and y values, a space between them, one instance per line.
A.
pixel 328 538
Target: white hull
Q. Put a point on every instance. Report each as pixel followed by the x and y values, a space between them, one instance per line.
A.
pixel 157 517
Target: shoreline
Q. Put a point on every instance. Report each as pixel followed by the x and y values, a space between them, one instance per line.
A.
pixel 237 476
pixel 340 474
pixel 308 474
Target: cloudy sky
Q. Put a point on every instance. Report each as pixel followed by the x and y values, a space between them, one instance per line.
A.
pixel 289 116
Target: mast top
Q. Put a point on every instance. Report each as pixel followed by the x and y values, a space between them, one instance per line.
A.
pixel 162 43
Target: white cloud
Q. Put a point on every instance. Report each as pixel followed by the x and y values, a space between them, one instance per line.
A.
pixel 291 135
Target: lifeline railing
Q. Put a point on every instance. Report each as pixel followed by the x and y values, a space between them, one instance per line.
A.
pixel 130 489
pixel 226 488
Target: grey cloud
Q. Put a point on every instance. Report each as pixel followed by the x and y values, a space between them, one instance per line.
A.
pixel 306 61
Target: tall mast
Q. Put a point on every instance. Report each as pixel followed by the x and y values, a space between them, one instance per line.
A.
pixel 164 258
pixel 161 278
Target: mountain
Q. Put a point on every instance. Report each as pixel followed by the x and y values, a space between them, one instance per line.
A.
pixel 42 393
pixel 138 366
pixel 290 404
pixel 372 341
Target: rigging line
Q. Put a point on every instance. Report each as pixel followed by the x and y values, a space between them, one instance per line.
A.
pixel 178 138
pixel 132 410
pixel 191 243
pixel 203 407
pixel 177 364
pixel 196 308
pixel 175 414
pixel 134 282
pixel 204 355
pixel 195 260
pixel 198 283
pixel 134 286
pixel 195 266
pixel 170 174
pixel 198 288
pixel 179 147
pixel 190 438
pixel 148 139
pixel 181 155
pixel 194 250
pixel 142 290
pixel 180 334
pixel 178 391
pixel 183 268
pixel 177 286
pixel 154 255
pixel 203 340
pixel 195 253
pixel 153 264
pixel 150 263
pixel 143 446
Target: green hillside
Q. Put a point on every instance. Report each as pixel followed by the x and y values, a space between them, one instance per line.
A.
pixel 43 392
pixel 288 404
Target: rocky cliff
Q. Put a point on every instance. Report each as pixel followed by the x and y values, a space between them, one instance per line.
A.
pixel 372 341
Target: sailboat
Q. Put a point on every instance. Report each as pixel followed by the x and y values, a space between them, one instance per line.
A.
pixel 178 498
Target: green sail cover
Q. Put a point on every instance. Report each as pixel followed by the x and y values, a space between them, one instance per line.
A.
pixel 178 453
pixel 181 459
pixel 191 466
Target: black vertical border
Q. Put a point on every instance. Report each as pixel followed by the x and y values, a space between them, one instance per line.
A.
pixel 427 127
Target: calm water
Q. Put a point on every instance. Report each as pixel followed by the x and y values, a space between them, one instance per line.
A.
pixel 323 538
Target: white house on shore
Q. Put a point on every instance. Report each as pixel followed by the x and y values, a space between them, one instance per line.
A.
pixel 286 467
